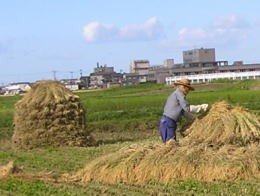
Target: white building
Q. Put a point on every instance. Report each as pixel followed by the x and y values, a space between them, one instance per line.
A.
pixel 17 88
pixel 213 76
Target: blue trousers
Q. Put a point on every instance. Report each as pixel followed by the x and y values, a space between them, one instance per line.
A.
pixel 167 129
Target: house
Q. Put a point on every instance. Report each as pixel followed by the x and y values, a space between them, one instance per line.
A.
pixel 2 91
pixel 84 82
pixel 17 88
pixel 104 77
pixel 71 84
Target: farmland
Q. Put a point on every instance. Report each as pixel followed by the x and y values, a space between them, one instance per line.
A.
pixel 117 118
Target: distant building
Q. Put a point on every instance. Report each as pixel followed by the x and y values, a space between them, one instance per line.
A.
pixel 200 66
pixel 168 62
pixel 238 63
pixel 214 76
pixel 17 88
pixel 71 84
pixel 199 55
pixel 103 69
pixel 104 77
pixel 2 90
pixel 140 67
pixel 84 82
pixel 134 78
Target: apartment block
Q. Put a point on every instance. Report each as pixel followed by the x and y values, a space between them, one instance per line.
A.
pixel 199 55
pixel 140 66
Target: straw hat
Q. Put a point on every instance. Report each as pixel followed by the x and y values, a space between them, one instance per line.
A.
pixel 184 82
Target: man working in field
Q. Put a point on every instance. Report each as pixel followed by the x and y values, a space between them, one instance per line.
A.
pixel 175 107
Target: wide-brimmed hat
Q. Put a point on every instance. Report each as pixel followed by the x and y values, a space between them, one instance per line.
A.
pixel 184 82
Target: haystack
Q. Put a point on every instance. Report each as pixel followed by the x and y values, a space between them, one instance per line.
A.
pixel 50 115
pixel 223 145
pixel 223 125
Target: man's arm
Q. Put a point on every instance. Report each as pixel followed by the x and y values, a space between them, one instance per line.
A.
pixel 186 107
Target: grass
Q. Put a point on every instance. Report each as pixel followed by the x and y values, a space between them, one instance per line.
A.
pixel 6 114
pixel 119 117
pixel 18 187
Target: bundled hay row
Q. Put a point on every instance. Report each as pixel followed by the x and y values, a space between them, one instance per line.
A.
pixel 165 163
pixel 50 114
pixel 212 150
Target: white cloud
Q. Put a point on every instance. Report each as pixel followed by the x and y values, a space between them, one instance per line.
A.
pixel 190 34
pixel 97 32
pixel 230 22
pixel 224 30
pixel 149 30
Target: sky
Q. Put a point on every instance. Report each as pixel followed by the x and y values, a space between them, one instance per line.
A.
pixel 63 39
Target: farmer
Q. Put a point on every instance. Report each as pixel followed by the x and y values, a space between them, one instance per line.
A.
pixel 175 107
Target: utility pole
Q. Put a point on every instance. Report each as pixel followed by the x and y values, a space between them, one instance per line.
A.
pixel 54 75
pixel 80 72
pixel 71 75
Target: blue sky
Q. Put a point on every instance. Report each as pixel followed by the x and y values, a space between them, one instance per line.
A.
pixel 38 37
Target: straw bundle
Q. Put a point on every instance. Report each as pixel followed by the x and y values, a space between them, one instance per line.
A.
pixel 223 125
pixel 160 163
pixel 50 114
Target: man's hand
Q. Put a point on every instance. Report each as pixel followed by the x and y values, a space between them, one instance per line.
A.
pixel 204 107
pixel 198 108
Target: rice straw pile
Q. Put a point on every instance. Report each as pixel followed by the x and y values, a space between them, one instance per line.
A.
pixel 224 124
pixel 50 115
pixel 223 145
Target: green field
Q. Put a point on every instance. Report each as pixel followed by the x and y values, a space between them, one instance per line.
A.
pixel 119 117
